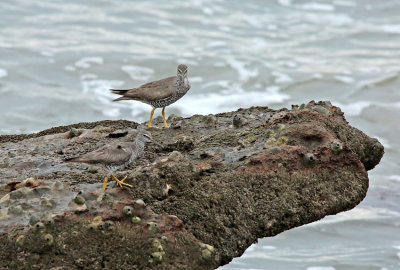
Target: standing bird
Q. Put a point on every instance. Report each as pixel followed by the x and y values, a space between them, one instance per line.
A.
pixel 158 94
pixel 116 155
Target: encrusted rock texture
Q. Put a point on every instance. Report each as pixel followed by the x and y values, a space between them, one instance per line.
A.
pixel 219 183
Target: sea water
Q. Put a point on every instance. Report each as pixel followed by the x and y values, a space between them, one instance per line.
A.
pixel 59 58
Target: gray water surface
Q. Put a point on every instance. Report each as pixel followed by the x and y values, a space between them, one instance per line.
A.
pixel 58 59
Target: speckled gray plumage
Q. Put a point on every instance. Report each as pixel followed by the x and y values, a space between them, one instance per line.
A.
pixel 161 93
pixel 115 155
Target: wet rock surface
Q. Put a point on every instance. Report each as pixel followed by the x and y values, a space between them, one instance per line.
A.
pixel 219 183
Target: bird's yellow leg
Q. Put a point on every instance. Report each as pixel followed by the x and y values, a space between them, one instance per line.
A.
pixel 151 117
pixel 105 183
pixel 163 115
pixel 119 182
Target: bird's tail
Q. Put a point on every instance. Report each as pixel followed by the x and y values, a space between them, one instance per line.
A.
pixel 120 92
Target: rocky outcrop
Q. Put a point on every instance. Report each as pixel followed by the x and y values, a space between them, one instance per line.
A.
pixel 220 183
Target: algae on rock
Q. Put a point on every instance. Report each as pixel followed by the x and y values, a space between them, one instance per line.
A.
pixel 220 183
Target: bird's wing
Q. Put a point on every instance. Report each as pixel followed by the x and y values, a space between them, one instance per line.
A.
pixel 109 154
pixel 155 90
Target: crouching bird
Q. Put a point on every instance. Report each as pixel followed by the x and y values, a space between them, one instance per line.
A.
pixel 116 155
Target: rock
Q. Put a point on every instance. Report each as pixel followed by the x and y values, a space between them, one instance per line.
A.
pixel 220 183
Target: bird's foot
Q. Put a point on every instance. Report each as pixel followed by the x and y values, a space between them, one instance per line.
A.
pixel 148 125
pixel 165 125
pixel 121 182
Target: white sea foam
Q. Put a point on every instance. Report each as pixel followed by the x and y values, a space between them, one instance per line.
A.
pixel 217 43
pixel 164 22
pixel 353 109
pixel 5 45
pixel 259 43
pixel 112 112
pixel 3 73
pixel 317 76
pixel 186 61
pixel 225 28
pixel 197 79
pixel 254 21
pixel 285 3
pixel 268 247
pixel 220 83
pixel 100 87
pixel 359 213
pixel 88 76
pixel 317 6
pixel 198 49
pixel 251 248
pixel 100 90
pixel 244 73
pixel 334 19
pixel 344 79
pixel 344 3
pixel 69 68
pixel 47 53
pixel 291 64
pixel 207 10
pixel 370 69
pixel 281 77
pixel 220 64
pixel 391 28
pixel 346 72
pixel 397 179
pixel 321 268
pixel 138 73
pixel 231 100
pixel 86 62
pixel 189 54
pixel 377 81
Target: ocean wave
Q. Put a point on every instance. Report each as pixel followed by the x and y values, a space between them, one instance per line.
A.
pixel 244 73
pixel 281 78
pixel 138 73
pixel 344 3
pixel 5 45
pixel 344 79
pixel 235 97
pixel 395 178
pixel 3 73
pixel 217 103
pixel 86 62
pixel 321 268
pixel 384 79
pixel 359 213
pixel 391 28
pixel 314 6
pixel 356 108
